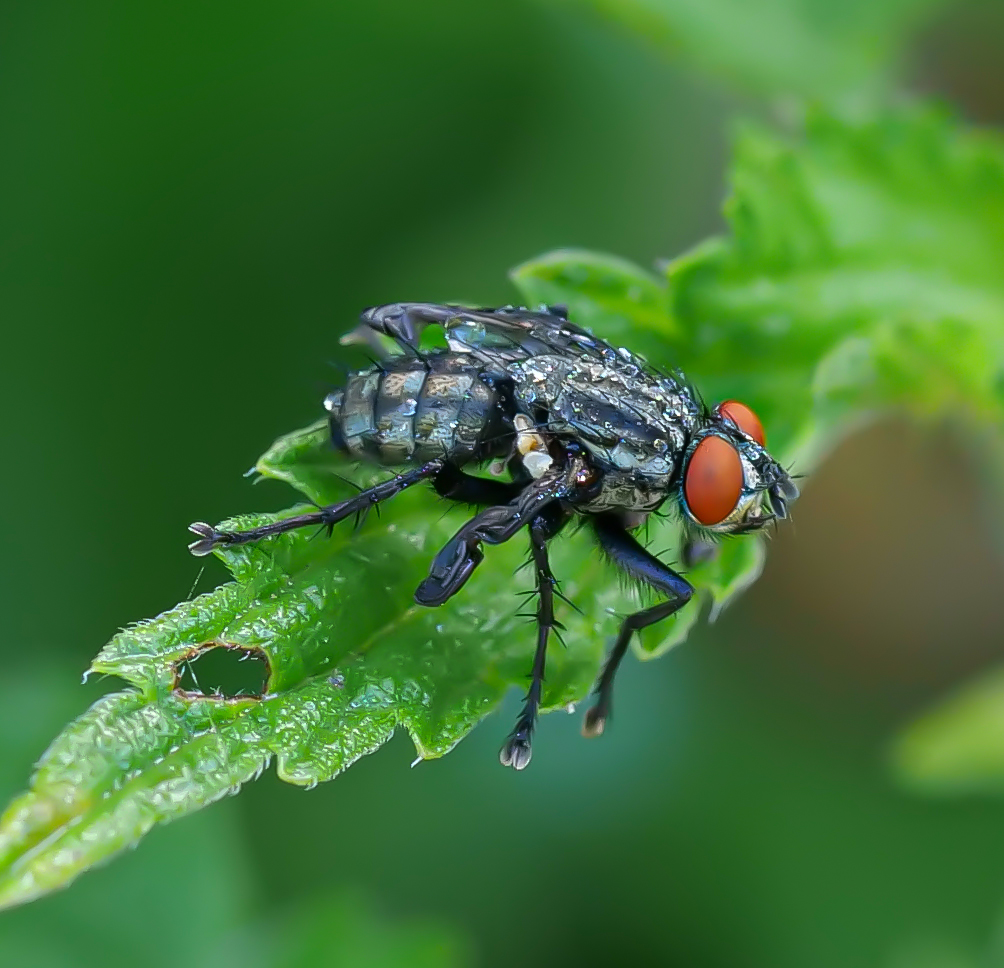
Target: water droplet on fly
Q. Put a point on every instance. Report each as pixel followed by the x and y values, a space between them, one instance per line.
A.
pixel 439 628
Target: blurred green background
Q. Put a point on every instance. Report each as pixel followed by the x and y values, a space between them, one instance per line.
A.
pixel 196 199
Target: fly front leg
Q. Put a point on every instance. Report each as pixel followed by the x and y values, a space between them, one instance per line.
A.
pixel 516 750
pixel 697 550
pixel 327 517
pixel 625 552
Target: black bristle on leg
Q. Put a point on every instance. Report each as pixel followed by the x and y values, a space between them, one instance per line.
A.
pixel 325 517
pixel 517 749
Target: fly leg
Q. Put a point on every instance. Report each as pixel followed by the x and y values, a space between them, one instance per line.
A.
pixel 698 550
pixel 516 750
pixel 456 562
pixel 453 483
pixel 622 549
pixel 327 517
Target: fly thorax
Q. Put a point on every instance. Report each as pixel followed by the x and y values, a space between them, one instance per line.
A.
pixel 622 422
pixel 626 491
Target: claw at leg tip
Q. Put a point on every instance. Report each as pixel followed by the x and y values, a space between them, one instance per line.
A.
pixel 515 753
pixel 593 724
pixel 207 538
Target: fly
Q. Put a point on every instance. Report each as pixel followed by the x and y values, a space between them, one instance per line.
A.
pixel 585 431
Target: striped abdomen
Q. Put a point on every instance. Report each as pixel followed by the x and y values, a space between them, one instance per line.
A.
pixel 419 409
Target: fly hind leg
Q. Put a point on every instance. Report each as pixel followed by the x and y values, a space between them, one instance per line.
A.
pixel 622 549
pixel 325 517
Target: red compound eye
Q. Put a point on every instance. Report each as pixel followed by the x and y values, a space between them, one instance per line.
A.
pixel 713 480
pixel 744 418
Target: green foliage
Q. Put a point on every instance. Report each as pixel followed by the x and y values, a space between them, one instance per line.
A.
pixel 859 274
pixel 812 48
pixel 351 658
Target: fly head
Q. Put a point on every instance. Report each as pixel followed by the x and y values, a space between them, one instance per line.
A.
pixel 730 482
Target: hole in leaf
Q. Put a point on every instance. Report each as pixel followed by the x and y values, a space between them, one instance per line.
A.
pixel 223 671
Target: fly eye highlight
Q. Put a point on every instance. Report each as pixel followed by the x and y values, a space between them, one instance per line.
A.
pixel 713 481
pixel 744 418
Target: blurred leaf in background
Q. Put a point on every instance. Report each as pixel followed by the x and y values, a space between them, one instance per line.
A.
pixel 958 747
pixel 847 51
pixel 345 931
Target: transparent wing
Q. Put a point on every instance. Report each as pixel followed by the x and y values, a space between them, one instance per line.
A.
pixel 490 335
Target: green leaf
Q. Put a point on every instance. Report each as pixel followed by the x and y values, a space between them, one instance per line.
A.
pixel 812 48
pixel 958 747
pixel 343 674
pixel 110 921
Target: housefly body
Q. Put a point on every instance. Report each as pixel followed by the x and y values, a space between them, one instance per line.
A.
pixel 586 431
